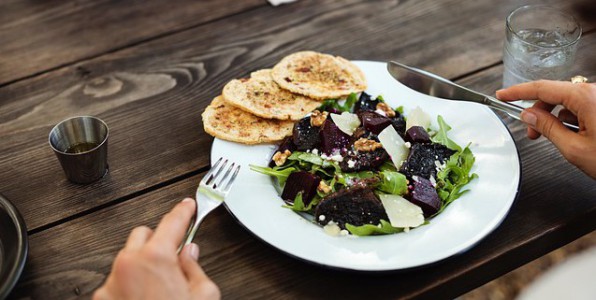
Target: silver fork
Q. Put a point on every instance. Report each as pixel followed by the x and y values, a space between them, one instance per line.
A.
pixel 211 194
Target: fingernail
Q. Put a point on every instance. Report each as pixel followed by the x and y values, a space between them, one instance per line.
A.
pixel 188 200
pixel 498 91
pixel 528 118
pixel 193 250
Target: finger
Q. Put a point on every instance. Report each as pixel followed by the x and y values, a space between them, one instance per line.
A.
pixel 568 94
pixel 137 238
pixel 200 285
pixel 532 133
pixel 173 226
pixel 549 126
pixel 567 116
pixel 188 260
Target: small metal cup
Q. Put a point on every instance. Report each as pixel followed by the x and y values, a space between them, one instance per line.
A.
pixel 81 145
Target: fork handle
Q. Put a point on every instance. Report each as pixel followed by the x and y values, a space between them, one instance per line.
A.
pixel 515 111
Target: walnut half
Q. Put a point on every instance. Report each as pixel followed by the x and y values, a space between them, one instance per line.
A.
pixel 365 145
pixel 317 118
pixel 280 158
pixel 386 109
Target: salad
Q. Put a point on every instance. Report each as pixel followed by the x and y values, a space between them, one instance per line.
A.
pixel 363 168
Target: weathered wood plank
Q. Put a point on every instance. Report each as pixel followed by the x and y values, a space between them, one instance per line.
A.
pixel 39 35
pixel 75 257
pixel 152 95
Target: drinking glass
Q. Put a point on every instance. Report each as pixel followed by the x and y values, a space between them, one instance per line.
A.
pixel 541 43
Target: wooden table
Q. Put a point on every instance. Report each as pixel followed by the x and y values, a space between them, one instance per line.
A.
pixel 149 68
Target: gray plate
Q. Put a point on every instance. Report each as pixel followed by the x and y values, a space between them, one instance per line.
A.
pixel 13 246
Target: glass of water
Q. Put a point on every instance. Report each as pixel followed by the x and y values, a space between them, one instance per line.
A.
pixel 541 43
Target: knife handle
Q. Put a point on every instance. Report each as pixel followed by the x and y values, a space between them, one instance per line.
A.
pixel 515 111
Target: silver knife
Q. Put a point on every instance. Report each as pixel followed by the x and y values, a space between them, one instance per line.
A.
pixel 436 86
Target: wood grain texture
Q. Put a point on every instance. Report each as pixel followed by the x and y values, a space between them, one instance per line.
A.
pixel 151 95
pixel 41 35
pixel 72 259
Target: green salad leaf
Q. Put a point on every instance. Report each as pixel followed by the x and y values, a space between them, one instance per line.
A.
pixel 333 103
pixel 454 176
pixel 441 136
pixel 393 183
pixel 313 159
pixel 280 174
pixel 370 229
pixel 299 206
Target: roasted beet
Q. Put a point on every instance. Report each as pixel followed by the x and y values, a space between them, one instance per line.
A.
pixel 357 206
pixel 399 123
pixel 373 122
pixel 422 157
pixel 301 181
pixel 332 138
pixel 365 103
pixel 424 195
pixel 305 136
pixel 286 144
pixel 417 134
pixel 364 161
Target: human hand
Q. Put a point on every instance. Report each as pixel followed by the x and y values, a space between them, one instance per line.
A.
pixel 579 102
pixel 149 268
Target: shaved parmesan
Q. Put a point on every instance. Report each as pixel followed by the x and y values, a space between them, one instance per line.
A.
pixel 401 212
pixel 394 145
pixel 417 117
pixel 346 122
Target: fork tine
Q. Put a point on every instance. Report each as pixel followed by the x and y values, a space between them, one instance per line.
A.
pixel 229 184
pixel 217 172
pixel 210 172
pixel 228 171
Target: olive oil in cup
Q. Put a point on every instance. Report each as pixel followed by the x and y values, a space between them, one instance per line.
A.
pixel 81 146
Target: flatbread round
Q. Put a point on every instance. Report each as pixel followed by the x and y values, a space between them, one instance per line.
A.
pixel 319 76
pixel 227 122
pixel 261 96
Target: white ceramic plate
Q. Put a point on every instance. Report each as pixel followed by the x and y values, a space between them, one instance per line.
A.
pixel 256 204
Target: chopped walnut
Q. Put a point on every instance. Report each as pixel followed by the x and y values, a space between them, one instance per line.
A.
pixel 365 145
pixel 280 158
pixel 317 118
pixel 386 109
pixel 323 187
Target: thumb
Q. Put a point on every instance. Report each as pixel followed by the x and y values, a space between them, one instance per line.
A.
pixel 548 125
pixel 201 286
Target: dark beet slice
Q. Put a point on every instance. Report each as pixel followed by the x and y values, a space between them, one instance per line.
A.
pixel 286 144
pixel 399 123
pixel 417 134
pixel 305 136
pixel 357 205
pixel 301 181
pixel 373 122
pixel 364 161
pixel 425 195
pixel 421 160
pixel 332 138
pixel 365 103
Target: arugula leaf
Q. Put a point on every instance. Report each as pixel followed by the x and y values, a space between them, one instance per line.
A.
pixel 305 157
pixel 299 206
pixel 345 178
pixel 334 104
pixel 388 166
pixel 370 229
pixel 455 175
pixel 393 183
pixel 441 136
pixel 281 175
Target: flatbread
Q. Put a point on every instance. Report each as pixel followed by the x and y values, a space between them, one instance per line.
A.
pixel 261 96
pixel 227 122
pixel 319 76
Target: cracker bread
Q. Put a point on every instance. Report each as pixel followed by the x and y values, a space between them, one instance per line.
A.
pixel 227 122
pixel 319 76
pixel 262 97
